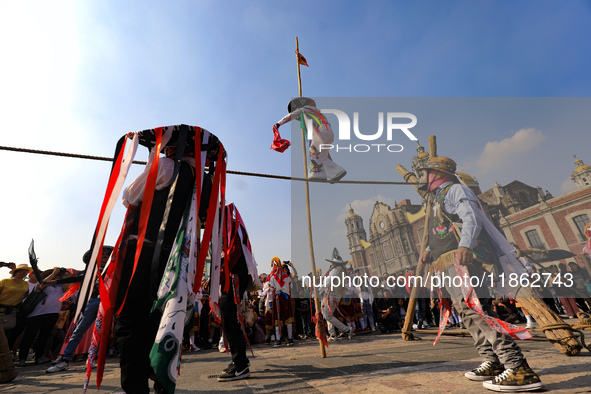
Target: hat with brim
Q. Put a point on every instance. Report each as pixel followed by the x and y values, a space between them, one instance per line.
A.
pixel 106 249
pixel 440 163
pixel 21 267
pixel 299 102
pixel 338 261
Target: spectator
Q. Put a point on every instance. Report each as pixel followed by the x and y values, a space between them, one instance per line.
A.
pixel 88 317
pixel 12 291
pixel 41 321
pixel 580 278
pixel 388 313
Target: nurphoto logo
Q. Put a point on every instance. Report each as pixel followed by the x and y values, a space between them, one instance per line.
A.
pixel 394 128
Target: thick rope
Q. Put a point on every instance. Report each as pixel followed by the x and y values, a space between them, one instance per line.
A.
pixel 101 158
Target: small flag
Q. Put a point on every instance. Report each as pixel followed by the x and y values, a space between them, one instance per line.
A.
pixel 302 59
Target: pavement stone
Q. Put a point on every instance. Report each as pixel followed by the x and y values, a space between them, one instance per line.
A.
pixel 375 363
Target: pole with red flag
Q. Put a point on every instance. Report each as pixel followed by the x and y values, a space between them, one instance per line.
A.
pixel 319 321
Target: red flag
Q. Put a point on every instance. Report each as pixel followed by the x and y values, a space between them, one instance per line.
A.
pixel 302 59
pixel 279 144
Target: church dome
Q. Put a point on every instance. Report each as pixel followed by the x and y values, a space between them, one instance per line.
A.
pixel 465 177
pixel 581 167
pixel 584 167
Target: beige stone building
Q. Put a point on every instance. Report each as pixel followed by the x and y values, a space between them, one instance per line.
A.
pixel 528 216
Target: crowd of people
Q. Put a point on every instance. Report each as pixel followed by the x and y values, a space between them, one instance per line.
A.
pixel 283 310
pixel 276 315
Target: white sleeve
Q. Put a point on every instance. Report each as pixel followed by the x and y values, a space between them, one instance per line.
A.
pixel 462 201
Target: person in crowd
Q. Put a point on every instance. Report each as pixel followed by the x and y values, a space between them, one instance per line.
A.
pixel 12 292
pixel 280 284
pixel 421 309
pixel 580 279
pixel 388 312
pixel 40 322
pixel 86 320
pixel 365 294
pixel 504 310
pixel 331 298
pixel 563 292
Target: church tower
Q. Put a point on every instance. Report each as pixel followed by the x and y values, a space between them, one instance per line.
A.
pixel 420 160
pixel 357 238
pixel 581 176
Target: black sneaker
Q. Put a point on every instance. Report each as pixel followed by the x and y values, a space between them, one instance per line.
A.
pixel 485 371
pixel 289 341
pixel 231 365
pixel 276 344
pixel 521 378
pixel 234 374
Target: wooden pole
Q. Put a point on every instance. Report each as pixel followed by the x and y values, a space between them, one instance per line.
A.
pixel 432 146
pixel 406 329
pixel 410 177
pixel 319 321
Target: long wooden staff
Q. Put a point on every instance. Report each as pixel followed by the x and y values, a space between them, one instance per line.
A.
pixel 411 178
pixel 319 321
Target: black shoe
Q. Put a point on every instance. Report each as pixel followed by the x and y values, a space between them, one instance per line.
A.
pixel 231 365
pixel 289 341
pixel 234 374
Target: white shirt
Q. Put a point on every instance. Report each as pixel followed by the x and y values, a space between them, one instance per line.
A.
pixel 51 303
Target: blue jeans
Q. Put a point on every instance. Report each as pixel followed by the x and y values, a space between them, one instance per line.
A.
pixel 88 317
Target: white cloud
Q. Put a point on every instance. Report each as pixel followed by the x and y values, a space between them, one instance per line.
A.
pixel 500 155
pixel 567 186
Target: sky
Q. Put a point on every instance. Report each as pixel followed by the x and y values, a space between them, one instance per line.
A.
pixel 76 76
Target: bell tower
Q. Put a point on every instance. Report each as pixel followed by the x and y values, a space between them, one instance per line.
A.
pixel 581 176
pixel 357 237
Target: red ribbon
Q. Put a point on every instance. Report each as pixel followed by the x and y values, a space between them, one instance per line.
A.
pixel 213 205
pixel 146 206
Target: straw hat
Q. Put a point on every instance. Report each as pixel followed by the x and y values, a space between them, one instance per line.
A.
pixel 299 102
pixel 337 261
pixel 440 163
pixel 21 267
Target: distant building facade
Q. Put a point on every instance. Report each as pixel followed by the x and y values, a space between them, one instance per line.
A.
pixel 528 216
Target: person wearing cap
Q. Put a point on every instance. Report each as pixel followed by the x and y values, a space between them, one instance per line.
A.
pixel 504 367
pixel 332 296
pixel 87 318
pixel 321 164
pixel 12 292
